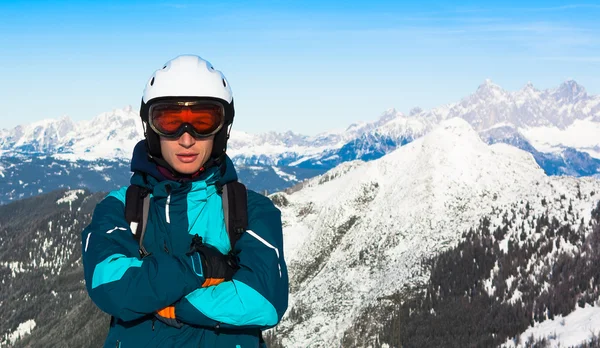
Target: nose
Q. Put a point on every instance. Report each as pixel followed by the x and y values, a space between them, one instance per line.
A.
pixel 187 140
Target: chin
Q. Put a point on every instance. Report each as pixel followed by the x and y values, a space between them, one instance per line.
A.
pixel 187 169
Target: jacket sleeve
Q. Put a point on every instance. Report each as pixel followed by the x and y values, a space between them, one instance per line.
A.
pixel 258 294
pixel 117 280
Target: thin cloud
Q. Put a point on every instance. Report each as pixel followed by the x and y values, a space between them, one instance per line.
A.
pixel 572 59
pixel 461 19
pixel 536 27
pixel 561 8
pixel 532 9
pixel 175 5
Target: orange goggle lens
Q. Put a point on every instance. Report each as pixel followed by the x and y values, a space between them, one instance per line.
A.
pixel 173 119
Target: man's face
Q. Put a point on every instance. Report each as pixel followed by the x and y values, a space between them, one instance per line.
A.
pixel 186 154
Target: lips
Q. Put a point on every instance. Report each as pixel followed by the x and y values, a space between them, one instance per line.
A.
pixel 187 157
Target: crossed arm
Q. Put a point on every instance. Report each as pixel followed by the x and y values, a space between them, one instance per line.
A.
pixel 128 288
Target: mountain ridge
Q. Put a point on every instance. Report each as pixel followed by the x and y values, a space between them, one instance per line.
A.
pixel 359 232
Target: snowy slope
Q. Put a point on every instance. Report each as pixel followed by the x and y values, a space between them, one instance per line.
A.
pixel 572 330
pixel 583 135
pixel 359 232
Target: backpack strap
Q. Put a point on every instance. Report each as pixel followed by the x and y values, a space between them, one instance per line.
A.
pixel 137 205
pixel 235 210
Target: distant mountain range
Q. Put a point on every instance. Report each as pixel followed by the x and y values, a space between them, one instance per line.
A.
pixel 559 127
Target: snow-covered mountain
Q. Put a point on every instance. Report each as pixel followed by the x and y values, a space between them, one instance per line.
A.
pixel 53 154
pixel 358 233
pixel 363 141
pixel 110 135
pixel 558 127
pixel 491 105
pixel 550 120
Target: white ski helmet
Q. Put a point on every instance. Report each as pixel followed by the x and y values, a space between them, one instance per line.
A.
pixel 187 77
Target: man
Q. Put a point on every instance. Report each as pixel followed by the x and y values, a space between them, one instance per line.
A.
pixel 185 286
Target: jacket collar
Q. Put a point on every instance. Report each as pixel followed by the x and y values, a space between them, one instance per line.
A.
pixel 148 174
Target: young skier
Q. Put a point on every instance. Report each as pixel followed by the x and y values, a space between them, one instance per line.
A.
pixel 176 259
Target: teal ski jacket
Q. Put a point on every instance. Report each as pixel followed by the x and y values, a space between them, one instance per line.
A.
pixel 131 289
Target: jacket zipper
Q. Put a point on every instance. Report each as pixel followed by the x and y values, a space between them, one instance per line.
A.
pixel 168 188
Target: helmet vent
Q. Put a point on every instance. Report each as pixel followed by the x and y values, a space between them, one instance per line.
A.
pixel 164 67
pixel 152 82
pixel 224 83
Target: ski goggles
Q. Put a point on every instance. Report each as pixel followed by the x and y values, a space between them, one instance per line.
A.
pixel 171 119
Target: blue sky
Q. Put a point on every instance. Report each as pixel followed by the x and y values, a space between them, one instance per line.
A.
pixel 306 66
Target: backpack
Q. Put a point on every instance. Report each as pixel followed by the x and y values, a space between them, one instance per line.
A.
pixel 235 211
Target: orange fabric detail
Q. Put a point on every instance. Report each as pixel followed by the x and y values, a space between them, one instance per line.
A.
pixel 212 281
pixel 167 312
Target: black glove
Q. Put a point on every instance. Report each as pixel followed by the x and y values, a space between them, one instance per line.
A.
pixel 216 267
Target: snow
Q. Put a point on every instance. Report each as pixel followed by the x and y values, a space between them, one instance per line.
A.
pixel 14 266
pixel 358 232
pixel 99 168
pixel 22 330
pixel 582 135
pixel 489 288
pixel 504 245
pixel 269 148
pixel 256 168
pixel 70 196
pixel 574 329
pixel 109 135
pixel 285 176
pixel 517 294
pixel 304 159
